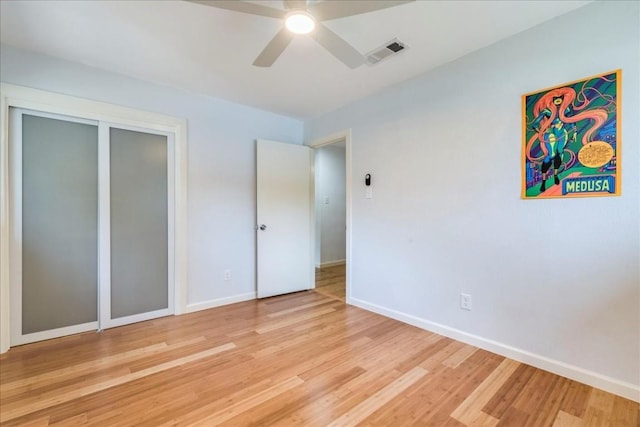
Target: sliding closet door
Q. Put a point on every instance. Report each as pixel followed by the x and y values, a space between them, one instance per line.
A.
pixel 55 231
pixel 140 223
pixel 92 225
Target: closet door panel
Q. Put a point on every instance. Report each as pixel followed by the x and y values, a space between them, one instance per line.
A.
pixel 139 222
pixel 59 223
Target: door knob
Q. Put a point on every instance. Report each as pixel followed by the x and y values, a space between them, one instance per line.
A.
pixel 263 227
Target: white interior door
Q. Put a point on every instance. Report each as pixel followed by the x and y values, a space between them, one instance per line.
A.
pixel 284 214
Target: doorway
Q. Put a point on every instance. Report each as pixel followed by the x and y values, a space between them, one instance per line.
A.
pixel 331 217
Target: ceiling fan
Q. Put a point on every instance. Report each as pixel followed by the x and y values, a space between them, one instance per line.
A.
pixel 302 18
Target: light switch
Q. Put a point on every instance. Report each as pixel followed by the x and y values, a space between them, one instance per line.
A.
pixel 326 200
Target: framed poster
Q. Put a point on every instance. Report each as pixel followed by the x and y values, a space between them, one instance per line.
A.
pixel 571 139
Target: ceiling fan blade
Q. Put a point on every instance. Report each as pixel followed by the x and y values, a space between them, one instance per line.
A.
pixel 241 6
pixel 272 51
pixel 295 4
pixel 327 10
pixel 337 46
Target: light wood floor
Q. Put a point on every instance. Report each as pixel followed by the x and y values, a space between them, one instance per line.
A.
pixel 330 281
pixel 302 359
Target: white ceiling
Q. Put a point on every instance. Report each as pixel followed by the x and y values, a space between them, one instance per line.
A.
pixel 208 50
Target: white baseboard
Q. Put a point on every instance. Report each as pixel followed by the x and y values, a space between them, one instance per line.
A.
pixel 611 385
pixel 331 263
pixel 197 306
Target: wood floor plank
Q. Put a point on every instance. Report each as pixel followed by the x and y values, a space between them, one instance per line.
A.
pixel 551 406
pixel 433 344
pixel 79 368
pixel 533 397
pixel 278 409
pixel 470 411
pixel 330 281
pixel 459 356
pixel 78 420
pixel 58 375
pixel 599 406
pixel 303 359
pixel 18 409
pixel 298 308
pixel 453 386
pixel 327 408
pixel 291 320
pixel 564 419
pixel 509 392
pixel 625 413
pixel 38 422
pixel 431 401
pixel 575 401
pixel 377 400
pixel 434 361
pixel 513 417
pixel 235 409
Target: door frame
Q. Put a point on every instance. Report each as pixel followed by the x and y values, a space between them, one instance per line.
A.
pixel 38 100
pixel 321 142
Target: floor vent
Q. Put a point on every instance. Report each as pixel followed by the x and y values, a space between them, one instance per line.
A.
pixel 388 50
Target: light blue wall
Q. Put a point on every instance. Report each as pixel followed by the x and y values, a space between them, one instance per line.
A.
pixel 221 161
pixel 556 278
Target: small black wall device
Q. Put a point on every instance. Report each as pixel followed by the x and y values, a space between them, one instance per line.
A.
pixel 367 179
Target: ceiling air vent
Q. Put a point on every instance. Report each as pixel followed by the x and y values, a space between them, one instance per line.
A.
pixel 389 49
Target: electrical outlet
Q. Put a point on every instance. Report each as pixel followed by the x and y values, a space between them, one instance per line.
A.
pixel 465 302
pixel 227 275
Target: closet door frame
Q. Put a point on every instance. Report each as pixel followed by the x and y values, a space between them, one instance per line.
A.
pixel 15 194
pixel 104 213
pixel 48 102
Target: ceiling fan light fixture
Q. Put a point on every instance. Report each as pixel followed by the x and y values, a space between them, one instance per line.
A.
pixel 300 22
